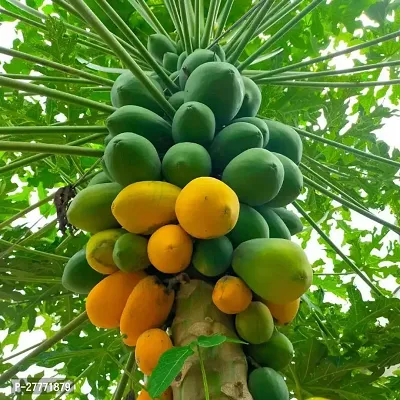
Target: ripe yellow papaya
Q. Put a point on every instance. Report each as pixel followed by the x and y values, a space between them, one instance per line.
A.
pixel 284 313
pixel 207 208
pixel 99 250
pixel 231 295
pixel 106 301
pixel 170 249
pixel 143 207
pixel 167 395
pixel 148 307
pixel 149 348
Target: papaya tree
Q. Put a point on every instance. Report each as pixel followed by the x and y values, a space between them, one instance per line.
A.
pixel 200 199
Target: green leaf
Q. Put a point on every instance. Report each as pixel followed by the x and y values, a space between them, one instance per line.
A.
pixel 167 369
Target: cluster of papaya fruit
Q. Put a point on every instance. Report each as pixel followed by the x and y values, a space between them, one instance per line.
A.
pixel 205 194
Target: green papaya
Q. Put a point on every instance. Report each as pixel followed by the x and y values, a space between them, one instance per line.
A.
pixel 90 210
pixel 184 162
pixel 101 177
pixel 194 60
pixel 291 220
pixel 170 61
pixel 194 122
pixel 107 139
pixel 212 257
pixel 250 225
pixel 292 183
pixel 130 252
pixel 142 122
pixel 219 51
pixel 232 141
pixel 255 324
pixel 128 90
pixel 267 384
pixel 256 176
pixel 277 228
pixel 158 45
pixel 259 123
pixel 277 270
pixel 181 59
pixel 179 46
pixel 131 158
pixel 78 276
pixel 284 140
pixel 252 99
pixel 277 353
pixel 219 86
pixel 177 99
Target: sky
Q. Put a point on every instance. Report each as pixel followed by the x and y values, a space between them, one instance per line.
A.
pixel 389 133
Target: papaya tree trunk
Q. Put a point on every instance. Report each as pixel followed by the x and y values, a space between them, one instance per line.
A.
pixel 225 365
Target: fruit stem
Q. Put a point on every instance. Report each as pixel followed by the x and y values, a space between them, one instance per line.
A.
pixel 124 28
pixel 119 392
pixel 29 160
pixel 223 17
pixel 47 344
pixel 185 24
pixel 348 50
pixel 212 12
pixel 197 14
pixel 125 57
pixel 173 12
pixel 56 66
pixel 275 37
pixel 337 249
pixel 297 383
pixel 203 374
pixel 50 149
pixel 51 130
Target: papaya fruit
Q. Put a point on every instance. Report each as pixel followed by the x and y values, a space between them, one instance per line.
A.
pixel 179 46
pixel 107 139
pixel 284 313
pixel 291 220
pixel 184 162
pixel 150 346
pixel 256 176
pixel 101 177
pixel 167 395
pixel 292 183
pixel 143 207
pixel 181 59
pixel 232 141
pixel 277 270
pixel 212 257
pixel 259 123
pixel 284 140
pixel 128 90
pixel 207 208
pixel 177 99
pixel 130 252
pixel 78 276
pixel 106 301
pixel 147 307
pixel 142 122
pixel 131 158
pixel 90 210
pixel 99 250
pixel 252 99
pixel 277 353
pixel 170 249
pixel 193 61
pixel 194 122
pixel 219 86
pixel 170 61
pixel 255 324
pixel 219 51
pixel 105 170
pixel 250 225
pixel 267 384
pixel 158 45
pixel 277 228
pixel 231 295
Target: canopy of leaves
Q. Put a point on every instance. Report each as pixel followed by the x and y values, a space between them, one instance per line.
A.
pixel 342 352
